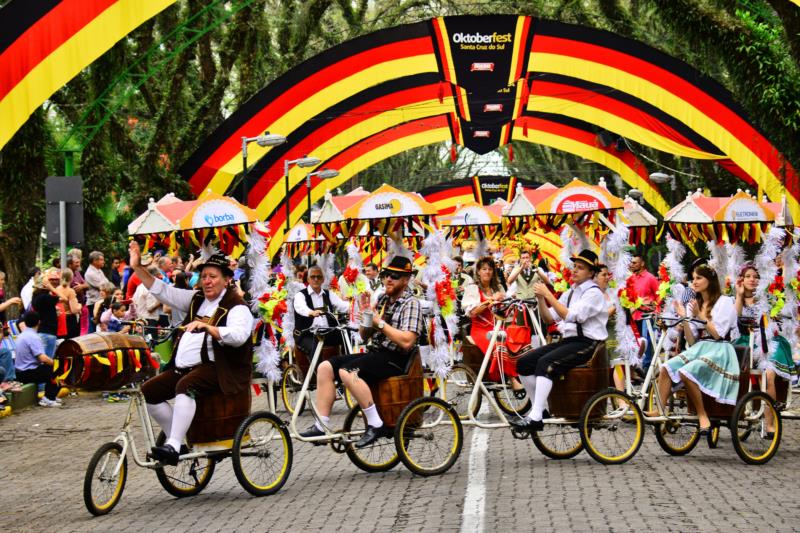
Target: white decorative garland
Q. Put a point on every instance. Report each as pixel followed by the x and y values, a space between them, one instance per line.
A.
pixel 767 270
pixel 613 254
pixel 266 352
pixel 437 249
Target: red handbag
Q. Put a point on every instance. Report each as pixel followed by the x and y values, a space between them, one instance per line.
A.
pixel 518 336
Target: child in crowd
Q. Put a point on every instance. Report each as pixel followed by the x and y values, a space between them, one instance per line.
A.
pixel 114 317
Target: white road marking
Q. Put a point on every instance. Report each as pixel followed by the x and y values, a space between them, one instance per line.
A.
pixel 472 518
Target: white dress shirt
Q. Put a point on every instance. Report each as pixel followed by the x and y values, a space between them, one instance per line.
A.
pixel 588 308
pixel 321 321
pixel 723 316
pixel 239 323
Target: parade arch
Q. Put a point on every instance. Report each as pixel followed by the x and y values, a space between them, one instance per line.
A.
pixel 44 44
pixel 484 82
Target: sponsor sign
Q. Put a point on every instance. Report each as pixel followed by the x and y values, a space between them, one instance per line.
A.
pixel 482 67
pixel 215 213
pixel 576 203
pixel 744 210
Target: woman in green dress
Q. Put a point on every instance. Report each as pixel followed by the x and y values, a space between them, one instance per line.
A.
pixel 775 358
pixel 710 364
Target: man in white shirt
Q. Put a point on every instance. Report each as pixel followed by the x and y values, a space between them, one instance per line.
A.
pixel 213 353
pixel 581 313
pixel 96 279
pixel 311 307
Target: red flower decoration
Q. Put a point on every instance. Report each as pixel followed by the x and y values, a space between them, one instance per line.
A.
pixel 281 281
pixel 350 274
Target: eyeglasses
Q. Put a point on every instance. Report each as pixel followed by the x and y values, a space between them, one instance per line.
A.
pixel 394 275
pixel 316 277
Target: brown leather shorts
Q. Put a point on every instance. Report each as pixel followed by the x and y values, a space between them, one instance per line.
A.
pixel 200 380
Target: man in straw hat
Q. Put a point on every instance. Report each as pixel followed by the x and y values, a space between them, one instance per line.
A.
pixel 212 353
pixel 582 313
pixel 393 327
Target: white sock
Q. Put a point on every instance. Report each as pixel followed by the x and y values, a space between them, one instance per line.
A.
pixel 529 382
pixel 543 387
pixel 182 417
pixel 162 414
pixel 323 421
pixel 373 418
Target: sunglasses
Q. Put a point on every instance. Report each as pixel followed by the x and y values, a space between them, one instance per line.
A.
pixel 316 277
pixel 394 275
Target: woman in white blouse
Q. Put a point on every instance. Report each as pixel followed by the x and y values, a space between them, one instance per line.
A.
pixel 708 366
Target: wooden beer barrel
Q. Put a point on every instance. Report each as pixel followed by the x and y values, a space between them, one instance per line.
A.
pixel 103 360
pixel 218 416
pixel 393 394
pixel 571 392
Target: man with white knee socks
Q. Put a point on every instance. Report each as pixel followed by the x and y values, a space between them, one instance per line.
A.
pixel 211 355
pixel 582 314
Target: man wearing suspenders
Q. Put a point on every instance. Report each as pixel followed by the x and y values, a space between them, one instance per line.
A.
pixel 582 313
pixel 311 305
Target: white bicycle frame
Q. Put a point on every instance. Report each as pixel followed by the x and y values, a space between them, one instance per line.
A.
pixel 659 358
pixel 480 388
pixel 305 395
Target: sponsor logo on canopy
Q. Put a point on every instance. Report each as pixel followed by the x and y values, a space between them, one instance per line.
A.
pixel 217 213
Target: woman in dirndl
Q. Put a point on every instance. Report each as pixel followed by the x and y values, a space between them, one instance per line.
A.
pixel 710 365
pixel 775 354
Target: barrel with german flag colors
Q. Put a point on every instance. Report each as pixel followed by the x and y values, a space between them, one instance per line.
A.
pixel 103 361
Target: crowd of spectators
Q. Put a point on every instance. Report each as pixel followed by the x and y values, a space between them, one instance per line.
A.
pixel 54 305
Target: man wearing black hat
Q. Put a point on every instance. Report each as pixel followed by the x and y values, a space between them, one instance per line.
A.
pixel 396 326
pixel 212 354
pixel 582 313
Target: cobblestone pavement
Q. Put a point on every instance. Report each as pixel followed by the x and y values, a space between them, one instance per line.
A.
pixel 44 454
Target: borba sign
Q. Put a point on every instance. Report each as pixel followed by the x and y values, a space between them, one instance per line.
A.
pixel 213 219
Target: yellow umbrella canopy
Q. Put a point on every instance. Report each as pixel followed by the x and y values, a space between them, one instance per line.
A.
pixel 472 221
pixel 740 218
pixel 549 208
pixel 213 210
pixel 389 202
pixel 387 211
pixel 579 197
pixel 643 226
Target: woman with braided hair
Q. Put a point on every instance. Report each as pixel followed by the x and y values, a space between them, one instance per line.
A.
pixel 710 364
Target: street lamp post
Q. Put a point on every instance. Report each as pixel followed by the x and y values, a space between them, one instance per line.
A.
pixel 267 139
pixel 302 162
pixel 660 177
pixel 324 174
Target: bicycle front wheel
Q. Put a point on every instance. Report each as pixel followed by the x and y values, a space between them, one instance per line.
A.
pixel 428 436
pixel 612 427
pixel 105 479
pixel 262 454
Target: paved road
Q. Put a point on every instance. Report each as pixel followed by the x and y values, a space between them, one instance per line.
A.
pixel 44 453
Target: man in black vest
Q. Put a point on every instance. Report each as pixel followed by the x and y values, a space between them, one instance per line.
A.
pixel 213 353
pixel 311 307
pixel 395 328
pixel 582 313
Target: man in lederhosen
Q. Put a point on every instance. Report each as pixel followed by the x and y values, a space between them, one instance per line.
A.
pixel 395 330
pixel 213 353
pixel 582 313
pixel 312 306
